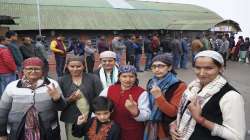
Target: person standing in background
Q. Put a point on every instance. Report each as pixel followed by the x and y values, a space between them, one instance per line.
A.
pixel 59 49
pixel 90 56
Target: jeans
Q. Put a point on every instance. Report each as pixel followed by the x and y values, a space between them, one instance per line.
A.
pixel 184 61
pixel 60 63
pixel 148 60
pixel 5 79
pixel 137 61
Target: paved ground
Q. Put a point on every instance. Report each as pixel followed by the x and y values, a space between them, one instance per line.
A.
pixel 238 75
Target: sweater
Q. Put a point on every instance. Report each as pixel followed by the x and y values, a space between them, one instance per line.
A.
pixel 7 62
pixel 16 101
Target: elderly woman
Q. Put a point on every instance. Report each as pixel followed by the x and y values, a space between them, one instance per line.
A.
pixel 210 109
pixel 165 91
pixel 28 106
pixel 131 103
pixel 108 72
pixel 79 89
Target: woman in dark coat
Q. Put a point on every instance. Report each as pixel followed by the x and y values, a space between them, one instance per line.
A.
pixel 79 89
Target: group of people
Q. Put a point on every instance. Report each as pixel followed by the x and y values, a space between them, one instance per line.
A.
pixel 109 104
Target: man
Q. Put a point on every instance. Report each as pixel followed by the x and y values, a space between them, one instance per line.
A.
pixel 59 49
pixel 108 72
pixel 14 48
pixel 27 49
pixel 43 52
pixel 118 46
pixel 7 65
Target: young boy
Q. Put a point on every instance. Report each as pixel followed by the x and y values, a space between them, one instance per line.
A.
pixel 99 127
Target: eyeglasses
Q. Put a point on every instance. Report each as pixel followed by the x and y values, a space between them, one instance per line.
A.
pixel 33 69
pixel 160 66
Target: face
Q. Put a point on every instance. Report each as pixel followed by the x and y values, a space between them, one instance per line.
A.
pixel 206 70
pixel 33 73
pixel 88 43
pixel 127 80
pixel 75 68
pixel 27 40
pixel 160 69
pixel 14 37
pixel 108 63
pixel 103 116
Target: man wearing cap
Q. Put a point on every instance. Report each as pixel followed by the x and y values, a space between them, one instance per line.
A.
pixel 108 72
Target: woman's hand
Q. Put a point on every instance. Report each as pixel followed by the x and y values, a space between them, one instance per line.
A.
pixel 81 119
pixel 175 135
pixel 53 92
pixel 195 108
pixel 74 96
pixel 131 106
pixel 156 91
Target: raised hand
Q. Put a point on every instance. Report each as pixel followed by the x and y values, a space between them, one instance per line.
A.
pixel 74 96
pixel 81 119
pixel 195 108
pixel 131 106
pixel 156 91
pixel 53 92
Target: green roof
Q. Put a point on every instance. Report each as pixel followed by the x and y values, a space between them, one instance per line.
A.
pixel 100 15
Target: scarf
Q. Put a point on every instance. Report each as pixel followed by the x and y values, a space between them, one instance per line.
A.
pixel 185 122
pixel 106 80
pixel 32 127
pixel 151 128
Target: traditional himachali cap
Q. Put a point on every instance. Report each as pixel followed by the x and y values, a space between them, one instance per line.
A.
pixel 127 69
pixel 75 58
pixel 166 58
pixel 107 54
pixel 212 54
pixel 33 61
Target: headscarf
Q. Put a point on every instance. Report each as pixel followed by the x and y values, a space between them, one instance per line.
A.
pixel 33 61
pixel 212 54
pixel 166 58
pixel 127 69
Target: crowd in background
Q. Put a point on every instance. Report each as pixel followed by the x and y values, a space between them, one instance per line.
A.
pixel 150 112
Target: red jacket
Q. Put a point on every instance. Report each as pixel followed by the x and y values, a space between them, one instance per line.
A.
pixel 7 62
pixel 130 128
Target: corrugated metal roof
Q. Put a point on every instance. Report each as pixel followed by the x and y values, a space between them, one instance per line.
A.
pixel 99 15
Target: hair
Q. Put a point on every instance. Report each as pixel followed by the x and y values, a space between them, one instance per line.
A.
pixel 74 58
pixel 9 34
pixel 2 38
pixel 136 79
pixel 101 103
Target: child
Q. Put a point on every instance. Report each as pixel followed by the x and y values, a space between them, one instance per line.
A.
pixel 99 127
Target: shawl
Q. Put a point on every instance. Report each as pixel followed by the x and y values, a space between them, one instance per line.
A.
pixel 107 81
pixel 185 122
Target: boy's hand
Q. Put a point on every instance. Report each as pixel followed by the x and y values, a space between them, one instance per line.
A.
pixel 131 106
pixel 81 119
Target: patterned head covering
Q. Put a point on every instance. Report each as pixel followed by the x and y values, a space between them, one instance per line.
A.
pixel 33 61
pixel 165 58
pixel 212 54
pixel 108 54
pixel 127 69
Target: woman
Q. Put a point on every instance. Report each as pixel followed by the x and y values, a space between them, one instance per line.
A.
pixel 79 89
pixel 131 103
pixel 210 109
pixel 28 106
pixel 165 92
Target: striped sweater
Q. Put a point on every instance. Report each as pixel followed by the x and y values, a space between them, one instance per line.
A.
pixel 15 102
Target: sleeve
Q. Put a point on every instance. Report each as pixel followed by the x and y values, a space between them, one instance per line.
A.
pixel 170 108
pixel 104 93
pixel 143 105
pixel 9 60
pixel 81 130
pixel 5 106
pixel 114 133
pixel 53 47
pixel 234 124
pixel 98 85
